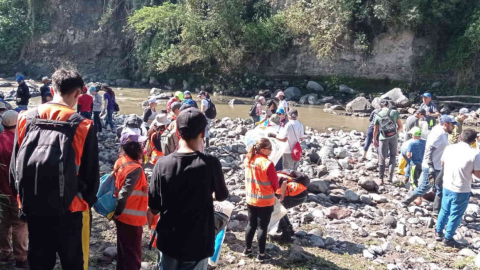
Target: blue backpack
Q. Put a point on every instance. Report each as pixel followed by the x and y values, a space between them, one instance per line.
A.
pixel 106 201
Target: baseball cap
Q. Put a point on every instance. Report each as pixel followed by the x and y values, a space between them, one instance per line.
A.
pixel 448 119
pixel 191 122
pixel 293 113
pixel 92 89
pixel 152 100
pixel 45 78
pixel 416 131
pixel 427 95
pixel 131 136
pixel 186 93
pixel 280 111
pixel 20 78
pixel 179 95
pixel 175 105
pixel 161 120
pixel 463 111
pixel 202 93
pixel 2 106
pixel 9 118
pixel 280 94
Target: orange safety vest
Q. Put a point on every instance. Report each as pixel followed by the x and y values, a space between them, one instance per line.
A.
pixel 259 189
pixel 135 212
pixel 293 188
pixel 59 112
pixel 156 154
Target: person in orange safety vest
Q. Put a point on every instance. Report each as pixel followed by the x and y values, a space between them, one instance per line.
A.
pixel 57 222
pixel 131 190
pixel 261 181
pixel 154 146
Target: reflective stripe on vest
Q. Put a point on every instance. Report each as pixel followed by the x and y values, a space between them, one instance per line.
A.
pixel 293 188
pixel 135 212
pixel 259 190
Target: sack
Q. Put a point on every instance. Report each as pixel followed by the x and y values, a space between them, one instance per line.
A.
pixel 253 110
pixel 169 142
pixel 388 128
pixel 297 149
pixel 46 173
pixel 115 106
pixel 279 211
pixel 106 201
pixel 211 112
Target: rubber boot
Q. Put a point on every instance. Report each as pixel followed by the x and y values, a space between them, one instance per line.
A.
pixel 409 199
pixel 437 204
pixel 381 172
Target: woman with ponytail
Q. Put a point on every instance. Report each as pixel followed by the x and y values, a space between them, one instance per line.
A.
pixel 261 182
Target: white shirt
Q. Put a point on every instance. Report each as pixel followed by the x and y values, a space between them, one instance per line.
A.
pixel 293 131
pixel 437 138
pixel 204 104
pixel 283 104
pixel 460 160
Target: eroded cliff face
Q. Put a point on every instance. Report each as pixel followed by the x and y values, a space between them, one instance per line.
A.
pixel 393 56
pixel 73 41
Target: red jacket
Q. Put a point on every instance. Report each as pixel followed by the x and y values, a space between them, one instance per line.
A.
pixel 6 149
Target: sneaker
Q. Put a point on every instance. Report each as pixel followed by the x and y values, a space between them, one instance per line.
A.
pixel 263 258
pixel 452 243
pixel 247 253
pixel 438 236
pixel 22 265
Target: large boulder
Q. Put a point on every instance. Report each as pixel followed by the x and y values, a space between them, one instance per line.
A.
pixel 397 97
pixel 318 186
pixel 236 101
pixel 360 104
pixel 314 86
pixel 123 82
pixel 5 84
pixel 292 93
pixel 311 99
pixel 155 91
pixel 346 90
pixel 368 184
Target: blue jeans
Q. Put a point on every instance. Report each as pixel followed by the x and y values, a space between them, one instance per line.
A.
pixel 426 185
pixel 23 107
pixel 279 165
pixel 169 263
pixel 87 115
pixel 109 119
pixel 369 139
pixel 453 207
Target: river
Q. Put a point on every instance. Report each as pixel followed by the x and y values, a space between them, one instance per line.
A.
pixel 130 100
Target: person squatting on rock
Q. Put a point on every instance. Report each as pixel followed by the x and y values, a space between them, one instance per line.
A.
pixel 85 104
pixel 460 162
pixel 131 191
pixel 431 110
pixel 431 165
pixel 388 124
pixel 292 192
pixel 55 172
pixel 292 133
pixel 183 187
pixel 261 182
pixel 13 230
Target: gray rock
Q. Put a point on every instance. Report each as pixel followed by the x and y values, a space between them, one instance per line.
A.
pixel 401 230
pixel 466 252
pixel 326 152
pixel 370 166
pixel 292 93
pixel 110 252
pixel 415 240
pixel 317 241
pixel 351 196
pixel 477 261
pixel 340 152
pixel 379 198
pixel 316 232
pixel 390 221
pixel 314 86
pixel 236 101
pixel 318 186
pixel 5 84
pixel 345 164
pixel 314 157
pixel 366 199
pixel 306 218
pixel 368 184
pixel 329 241
pixel 391 266
pixel 360 105
pixel 322 170
pixel 346 90
pixel 337 108
pixel 388 246
pixel 375 250
pixel 367 254
pixel 298 254
pixel 397 97
pixel 233 224
pixel 241 130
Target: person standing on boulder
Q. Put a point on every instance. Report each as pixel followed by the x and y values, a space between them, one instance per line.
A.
pixel 457 130
pixel 23 93
pixel 182 190
pixel 431 165
pixel 460 162
pixel 261 182
pixel 431 110
pixel 292 134
pixel 413 121
pixel 388 125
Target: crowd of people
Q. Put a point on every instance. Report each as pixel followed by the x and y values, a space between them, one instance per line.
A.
pixel 49 173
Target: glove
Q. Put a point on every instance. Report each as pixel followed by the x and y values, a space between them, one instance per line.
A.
pixel 431 173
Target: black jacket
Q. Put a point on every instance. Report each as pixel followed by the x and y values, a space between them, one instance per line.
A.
pixel 23 93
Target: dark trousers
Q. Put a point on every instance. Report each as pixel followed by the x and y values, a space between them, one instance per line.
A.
pixel 256 119
pixel 109 119
pixel 87 115
pixel 279 165
pixel 258 217
pixel 290 202
pixel 51 235
pixel 97 122
pixel 169 263
pixel 129 246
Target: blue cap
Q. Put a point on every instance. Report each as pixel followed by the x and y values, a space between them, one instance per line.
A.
pixel 280 111
pixel 20 78
pixel 187 93
pixel 448 119
pixel 427 95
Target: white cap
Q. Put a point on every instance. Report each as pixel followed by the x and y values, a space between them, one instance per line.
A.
pixel 9 118
pixel 152 100
pixel 463 111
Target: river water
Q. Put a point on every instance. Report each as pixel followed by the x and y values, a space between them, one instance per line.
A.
pixel 130 100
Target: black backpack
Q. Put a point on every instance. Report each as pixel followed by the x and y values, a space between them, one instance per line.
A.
pixel 253 110
pixel 211 112
pixel 388 128
pixel 45 169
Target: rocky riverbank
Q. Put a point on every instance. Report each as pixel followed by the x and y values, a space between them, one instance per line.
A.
pixel 348 222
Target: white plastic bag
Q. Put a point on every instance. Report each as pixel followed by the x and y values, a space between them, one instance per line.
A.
pixel 255 134
pixel 279 211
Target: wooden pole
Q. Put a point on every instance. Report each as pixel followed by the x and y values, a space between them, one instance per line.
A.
pixel 461 96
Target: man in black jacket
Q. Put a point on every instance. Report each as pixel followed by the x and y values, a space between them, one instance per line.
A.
pixel 23 93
